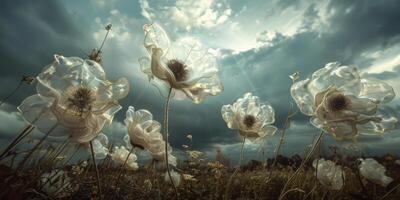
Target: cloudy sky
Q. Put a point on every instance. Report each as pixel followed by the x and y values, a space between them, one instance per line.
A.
pixel 258 43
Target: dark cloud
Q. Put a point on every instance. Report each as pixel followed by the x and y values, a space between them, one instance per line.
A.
pixel 352 28
pixel 32 32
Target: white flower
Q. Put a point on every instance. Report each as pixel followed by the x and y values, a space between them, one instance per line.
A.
pixel 374 172
pixel 144 133
pixel 120 155
pixel 183 65
pixel 250 117
pixel 343 103
pixel 329 174
pixel 74 94
pixel 57 184
pixel 100 146
pixel 176 177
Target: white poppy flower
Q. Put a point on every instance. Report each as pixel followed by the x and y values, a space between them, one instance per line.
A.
pixel 58 184
pixel 144 133
pixel 250 117
pixel 176 177
pixel 120 155
pixel 100 146
pixel 343 103
pixel 74 94
pixel 374 172
pixel 329 174
pixel 183 65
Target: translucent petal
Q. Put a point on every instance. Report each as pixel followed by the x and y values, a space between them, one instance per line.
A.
pixel 376 90
pixel 145 66
pixel 229 116
pixel 267 130
pixel 120 155
pixel 303 98
pixel 155 36
pixel 362 105
pixel 67 73
pixel 100 146
pixel 329 174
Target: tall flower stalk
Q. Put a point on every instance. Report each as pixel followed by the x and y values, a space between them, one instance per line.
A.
pixel 252 119
pixel 183 68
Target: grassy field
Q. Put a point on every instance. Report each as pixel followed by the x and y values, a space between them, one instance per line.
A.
pixel 209 181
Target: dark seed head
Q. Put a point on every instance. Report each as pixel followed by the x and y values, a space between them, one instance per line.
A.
pixel 249 120
pixel 81 99
pixel 178 68
pixel 337 102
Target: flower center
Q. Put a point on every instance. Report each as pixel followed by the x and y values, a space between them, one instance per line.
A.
pixel 337 102
pixel 81 99
pixel 178 68
pixel 249 120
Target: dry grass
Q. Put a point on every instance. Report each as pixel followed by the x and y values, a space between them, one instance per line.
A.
pixel 146 183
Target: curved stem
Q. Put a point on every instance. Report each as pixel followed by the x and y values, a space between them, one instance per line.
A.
pixel 122 168
pixel 12 93
pixel 97 170
pixel 285 127
pixel 227 190
pixel 22 163
pixel 166 138
pixel 306 159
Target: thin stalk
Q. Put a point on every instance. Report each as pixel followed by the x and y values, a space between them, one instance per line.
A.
pixel 227 190
pixel 97 170
pixel 166 139
pixel 285 127
pixel 72 155
pixel 12 93
pixel 23 133
pixel 22 163
pixel 390 191
pixel 306 159
pixel 104 40
pixel 122 168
